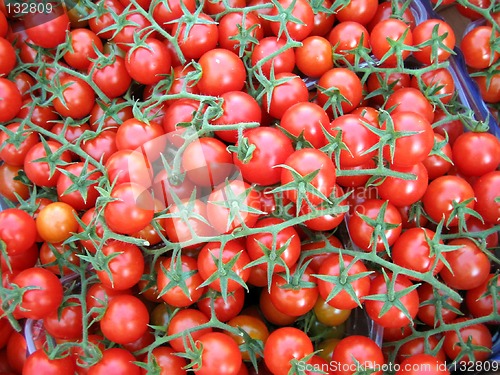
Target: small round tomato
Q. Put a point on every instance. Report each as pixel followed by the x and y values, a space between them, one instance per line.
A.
pixel 394 316
pixel 127 166
pixel 347 273
pixel 475 154
pixel 433 304
pixel 40 363
pixel 131 211
pixel 149 62
pixel 56 222
pixel 10 185
pixel 45 295
pixel 222 71
pixel 477 48
pixel 40 172
pixel 307 120
pixel 391 29
pixel 224 310
pixel 111 77
pixel 170 270
pixel 346 37
pixel 253 326
pixel 436 164
pixel 438 84
pixel 425 31
pixel 314 57
pixel 146 138
pixel 286 244
pixel 341 89
pixel 283 62
pixel 67 323
pixel 229 30
pixel 11 101
pixel 410 99
pixel 416 364
pixel 417 346
pixel 303 19
pixel 479 301
pixel 284 345
pixel 80 199
pixel 290 91
pixel 412 250
pixel 78 96
pixel 47 29
pixel 474 334
pixel 8 57
pixel 17 231
pixel 115 361
pixel 125 319
pixel 168 362
pixel 401 192
pixel 84 44
pixel 486 192
pixel 220 355
pixel 469 266
pixel 443 194
pixel 199 39
pixel 363 234
pixel 356 350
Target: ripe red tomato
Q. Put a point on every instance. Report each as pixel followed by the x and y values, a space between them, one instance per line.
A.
pixel 291 91
pixel 145 138
pixel 229 26
pixel 347 272
pixel 79 98
pixel 201 38
pixel 303 22
pixel 7 57
pixel 340 89
pixel 11 100
pixel 132 210
pixel 40 362
pixel 475 154
pixel 47 29
pixel 314 57
pixel 394 317
pixel 432 301
pixel 303 163
pixel 356 350
pixel 125 320
pixel 232 205
pixel 220 355
pixel 283 62
pixel 476 334
pixel 272 148
pixel 67 323
pixel 149 63
pixel 17 231
pixel 79 199
pixel 113 79
pixel 362 233
pixel 410 99
pixel 423 364
pixel 346 37
pixel 115 361
pixel 469 265
pixel 479 301
pixel 390 29
pixel 222 71
pixel 417 347
pixel 84 44
pixel 439 78
pixel 168 362
pixel 173 268
pixel 424 32
pixel 184 321
pixel 435 164
pixel 401 192
pixel 306 119
pixel 286 245
pixel 223 310
pixel 476 47
pixel 441 196
pixel 486 191
pixel 44 298
pixel 284 345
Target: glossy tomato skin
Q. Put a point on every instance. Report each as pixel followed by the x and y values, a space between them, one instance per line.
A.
pixel 417 346
pixel 125 320
pixel 14 154
pixel 200 39
pixel 402 192
pixel 17 230
pixel 394 317
pixel 83 42
pixel 175 296
pixel 314 57
pixel 47 30
pixel 297 30
pixel 345 37
pixel 40 363
pixel 477 48
pixel 412 251
pixel 282 62
pixel 183 321
pixel 331 266
pixel 479 301
pixel 486 190
pixel 149 63
pixel 361 232
pixel 427 312
pixel 223 310
pixel 307 119
pixel 115 361
pixel 289 93
pixel 132 202
pixel 425 31
pixel 354 350
pixel 284 345
pixel 291 253
pixel 272 148
pixel 56 222
pixel 39 172
pixel 442 193
pixel 469 265
pixel 393 29
pixel 168 362
pixel 414 365
pixel 67 324
pixel 348 85
pixel 79 98
pixel 410 99
pixel 478 334
pixel 76 199
pixel 38 303
pixel 220 355
pixel 222 71
pixel 476 154
pixel 253 326
pixel 228 29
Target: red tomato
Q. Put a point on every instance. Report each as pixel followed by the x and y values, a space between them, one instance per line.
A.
pixel 220 355
pixel 469 265
pixel 271 148
pixel 475 154
pixel 307 120
pixel 340 89
pixel 171 270
pixel 132 210
pixel 201 38
pixel 47 29
pixel 125 319
pixel 11 100
pixel 79 98
pixel 437 84
pixel 346 37
pixel 390 29
pixel 8 57
pixel 346 272
pixel 284 345
pixel 84 44
pixel 80 199
pixel 167 361
pixel 476 334
pixel 303 19
pixel 112 78
pixel 223 310
pixel 363 234
pixel 146 138
pixel 286 245
pixel 283 62
pixel 476 47
pixel 425 31
pixel 435 163
pixel 354 351
pixel 421 364
pixel 301 166
pixel 127 166
pixel 433 305
pixel 67 323
pixel 115 361
pixel 486 191
pixel 290 91
pixel 40 362
pixel 443 194
pixel 17 231
pixel 401 192
pixel 46 296
pixel 361 11
pixel 222 71
pixel 409 99
pixel 149 63
pixel 314 57
pixel 479 301
pixel 417 347
pixel 395 316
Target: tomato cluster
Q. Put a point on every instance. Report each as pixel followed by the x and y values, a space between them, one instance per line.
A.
pixel 232 187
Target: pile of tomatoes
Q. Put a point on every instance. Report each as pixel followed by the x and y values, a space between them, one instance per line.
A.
pixel 232 187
